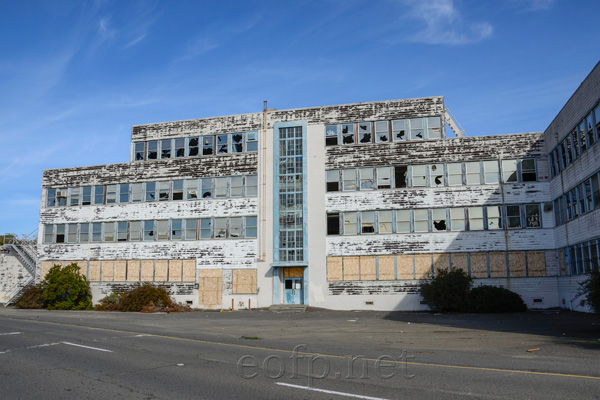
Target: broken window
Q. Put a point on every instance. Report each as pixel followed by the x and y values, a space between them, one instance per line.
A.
pixel 176 229
pixel 179 147
pixel 140 151
pixel 528 173
pixel 205 228
pixel 589 129
pixel 152 150
pixel 74 196
pixel 190 229
pixel 475 218
pixel 382 132
pixel 220 226
pixel 111 194
pixel 490 172
pixel 71 233
pixel 236 188
pixel 61 197
pixel 454 174
pixel 421 220
pixel 51 200
pixel 121 231
pixel 220 187
pixel 457 219
pixel 347 133
pixel 250 227
pixel 494 220
pixel 416 129
pixel 84 233
pixel 582 136
pixel 513 216
pixel 165 148
pixel 148 230
pixel 178 189
pixel 384 222
pixel 60 233
pixel 366 178
pixel 384 177
pixel 135 231
pixel 473 173
pixel 48 233
pixel 98 195
pixel 364 132
pixel 86 195
pixel 251 185
pixel 191 186
pixel 109 231
pixel 438 218
pixel 137 192
pixel 150 191
pixel 96 231
pixel 367 222
pixel 350 223
pixel 222 144
pixel 569 149
pixel 349 176
pixel 403 221
pixel 333 180
pixel 235 227
pixel 162 229
pixel 575 143
pixel 331 135
pixel 333 224
pixel 208 145
pixel 436 175
pixel 509 171
pixel 193 147
pixel 434 128
pixel 597 118
pixel 164 190
pixel 400 175
pixel 124 193
pixel 399 129
pixel 532 215
pixel 419 175
pixel 596 189
pixel 237 142
pixel 563 155
pixel 251 141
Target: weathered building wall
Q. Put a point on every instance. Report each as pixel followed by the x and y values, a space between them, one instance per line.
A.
pixel 13 274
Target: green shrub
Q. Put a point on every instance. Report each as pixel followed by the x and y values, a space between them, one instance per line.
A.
pixel 590 288
pixel 448 290
pixel 145 296
pixel 494 299
pixel 112 302
pixel 66 289
pixel 31 298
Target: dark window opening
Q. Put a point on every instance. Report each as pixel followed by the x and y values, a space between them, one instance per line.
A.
pixel 440 225
pixel 365 138
pixel 438 180
pixel 193 148
pixel 400 176
pixel 333 224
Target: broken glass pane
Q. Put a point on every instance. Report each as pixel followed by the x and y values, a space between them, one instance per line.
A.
pixel 509 171
pixel 366 178
pixel 191 189
pixel 493 217
pixel 436 172
pixel 208 145
pixel 237 142
pixel 416 129
pixel 399 128
pixel 140 151
pixel 179 148
pixel 153 150
pixel 164 190
pixel 165 148
pixel 193 147
pixel 149 230
pixel 434 130
pixel 347 133
pixel 400 175
pixel 333 224
pixel 364 132
pixel 222 144
pixel 178 190
pixel 176 229
pixel 51 200
pixel 331 135
pixel 150 191
pixel 438 217
pixel 382 132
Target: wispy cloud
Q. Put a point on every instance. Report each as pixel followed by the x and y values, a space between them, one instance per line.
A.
pixel 199 46
pixel 536 5
pixel 135 41
pixel 441 23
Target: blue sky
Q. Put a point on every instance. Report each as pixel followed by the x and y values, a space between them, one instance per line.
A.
pixel 76 75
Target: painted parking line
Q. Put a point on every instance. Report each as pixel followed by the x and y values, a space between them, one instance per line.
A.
pixel 356 396
pixel 87 347
pixel 11 333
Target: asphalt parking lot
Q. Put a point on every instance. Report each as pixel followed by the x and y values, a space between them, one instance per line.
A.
pixel 315 354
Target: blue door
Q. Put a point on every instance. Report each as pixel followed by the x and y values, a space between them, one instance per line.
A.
pixel 293 292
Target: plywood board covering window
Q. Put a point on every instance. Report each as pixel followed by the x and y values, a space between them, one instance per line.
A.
pixel 334 269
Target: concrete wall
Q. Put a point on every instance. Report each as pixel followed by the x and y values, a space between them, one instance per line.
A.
pixel 12 273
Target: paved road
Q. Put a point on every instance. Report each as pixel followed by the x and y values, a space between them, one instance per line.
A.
pixel 250 355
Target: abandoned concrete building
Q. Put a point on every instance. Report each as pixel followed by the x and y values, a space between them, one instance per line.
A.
pixel 342 207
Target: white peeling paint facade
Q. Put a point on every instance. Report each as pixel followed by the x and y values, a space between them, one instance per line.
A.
pixel 342 207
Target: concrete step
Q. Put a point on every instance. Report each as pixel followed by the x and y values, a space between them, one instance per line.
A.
pixel 288 308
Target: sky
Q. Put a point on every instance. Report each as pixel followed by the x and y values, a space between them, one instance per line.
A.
pixel 76 75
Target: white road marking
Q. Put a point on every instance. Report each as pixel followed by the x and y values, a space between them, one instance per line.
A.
pixel 87 347
pixel 42 345
pixel 357 396
pixel 11 333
